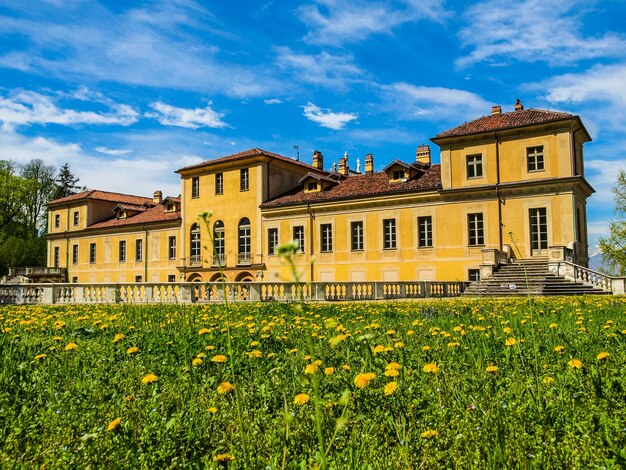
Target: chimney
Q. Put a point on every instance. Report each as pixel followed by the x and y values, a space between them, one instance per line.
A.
pixel 343 166
pixel 422 154
pixel 369 164
pixel 518 105
pixel 318 160
pixel 496 110
pixel 157 197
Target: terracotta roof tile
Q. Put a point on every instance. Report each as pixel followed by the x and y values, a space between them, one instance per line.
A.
pixel 496 122
pixel 250 153
pixel 360 186
pixel 104 196
pixel 151 215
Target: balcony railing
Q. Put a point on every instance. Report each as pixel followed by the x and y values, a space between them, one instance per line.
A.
pixel 244 259
pixel 219 260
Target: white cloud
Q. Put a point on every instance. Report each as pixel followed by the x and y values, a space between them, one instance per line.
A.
pixel 533 30
pixel 327 118
pixel 191 118
pixel 115 152
pixel 25 107
pixel 602 175
pixel 324 69
pixel 272 101
pixel 410 101
pixel 335 22
pixel 165 45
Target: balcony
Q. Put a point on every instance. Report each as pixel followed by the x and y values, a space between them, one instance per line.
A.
pixel 244 259
pixel 219 260
pixel 195 260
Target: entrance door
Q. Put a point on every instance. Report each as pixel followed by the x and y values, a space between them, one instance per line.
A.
pixel 538 232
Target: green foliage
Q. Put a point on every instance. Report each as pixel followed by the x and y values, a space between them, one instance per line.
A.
pixel 66 182
pixel 614 246
pixel 478 384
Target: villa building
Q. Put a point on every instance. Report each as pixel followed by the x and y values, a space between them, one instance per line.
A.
pixel 506 181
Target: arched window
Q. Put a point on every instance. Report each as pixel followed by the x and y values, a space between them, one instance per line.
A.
pixel 218 244
pixel 194 245
pixel 244 241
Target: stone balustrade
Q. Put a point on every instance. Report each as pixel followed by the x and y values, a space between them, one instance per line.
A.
pixel 216 292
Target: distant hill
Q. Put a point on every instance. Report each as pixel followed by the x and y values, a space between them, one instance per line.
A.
pixel 595 261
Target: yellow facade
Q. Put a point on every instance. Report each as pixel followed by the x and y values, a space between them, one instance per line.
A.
pixel 500 185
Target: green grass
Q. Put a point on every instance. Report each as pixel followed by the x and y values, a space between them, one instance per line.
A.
pixel 535 410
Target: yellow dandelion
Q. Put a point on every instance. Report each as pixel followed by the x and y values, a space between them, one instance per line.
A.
pixel 510 341
pixel 602 356
pixel 114 424
pixel 39 357
pixel 254 344
pixel 429 433
pixel 209 348
pixel 425 348
pixel 548 380
pixel 431 368
pixel 559 349
pixel 329 371
pixel 271 355
pixel 363 380
pixel 223 458
pixel 575 364
pixel 119 337
pixel 293 350
pixel 311 369
pixel 201 355
pixel 453 344
pixel 196 362
pixel 346 367
pixel 149 378
pixel 56 338
pixel 393 365
pixel 554 325
pixel 203 331
pixel 391 373
pixel 378 349
pixel 399 345
pixel 132 350
pixel 390 388
pixel 301 399
pixel 492 369
pixel 255 354
pixel 220 358
pixel 212 409
pixel 225 388
pixel 71 346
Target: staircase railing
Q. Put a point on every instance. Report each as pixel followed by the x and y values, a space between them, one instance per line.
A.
pixel 587 276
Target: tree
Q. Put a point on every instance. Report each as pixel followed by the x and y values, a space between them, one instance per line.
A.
pixel 14 192
pixel 41 184
pixel 614 246
pixel 66 182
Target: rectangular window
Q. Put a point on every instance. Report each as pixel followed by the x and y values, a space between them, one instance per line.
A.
pixel 92 253
pixel 57 252
pixel 534 157
pixel 171 247
pixel 76 218
pixel 473 275
pixel 138 249
pixel 398 174
pixel 75 280
pixel 272 240
pixel 389 234
pixel 298 237
pixel 171 278
pixel 138 279
pixel 219 183
pixel 326 238
pixel 356 235
pixel 122 251
pixel 312 186
pixel 475 166
pixel 74 254
pixel 475 229
pixel 425 230
pixel 244 181
pixel 57 221
pixel 538 228
pixel 195 186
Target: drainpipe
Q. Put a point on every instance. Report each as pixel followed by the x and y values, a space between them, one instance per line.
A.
pixel 67 246
pixel 145 256
pixel 495 137
pixel 311 242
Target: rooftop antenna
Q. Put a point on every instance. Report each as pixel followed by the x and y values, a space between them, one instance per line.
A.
pixel 297 149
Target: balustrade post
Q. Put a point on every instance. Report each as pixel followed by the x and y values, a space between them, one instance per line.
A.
pixel 77 294
pixel 49 296
pixel 185 293
pixel 149 297
pixel 379 290
pixel 254 292
pixel 112 294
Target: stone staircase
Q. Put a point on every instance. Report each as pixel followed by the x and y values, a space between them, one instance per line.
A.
pixel 521 276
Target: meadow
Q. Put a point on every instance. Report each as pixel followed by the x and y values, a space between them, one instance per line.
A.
pixel 532 383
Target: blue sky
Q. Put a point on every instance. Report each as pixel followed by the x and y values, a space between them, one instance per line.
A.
pixel 127 92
